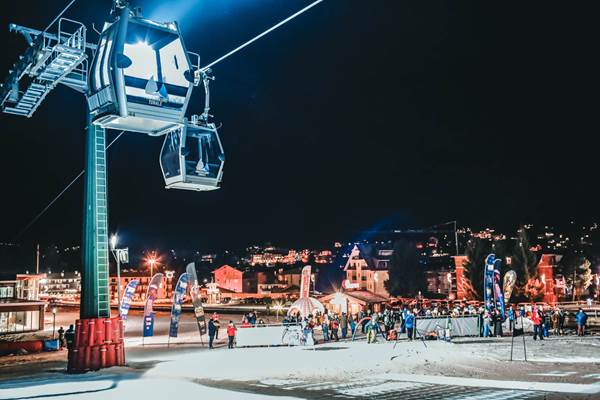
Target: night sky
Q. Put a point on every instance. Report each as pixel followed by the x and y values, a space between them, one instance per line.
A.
pixel 353 116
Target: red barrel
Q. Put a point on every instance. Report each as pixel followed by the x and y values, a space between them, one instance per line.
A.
pixel 103 361
pixel 99 334
pixel 82 336
pixel 78 330
pixel 92 332
pixel 119 359
pixel 108 330
pixel 117 330
pixel 111 355
pixel 95 362
pixel 72 359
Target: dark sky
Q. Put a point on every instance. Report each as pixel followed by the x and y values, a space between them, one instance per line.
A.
pixel 355 115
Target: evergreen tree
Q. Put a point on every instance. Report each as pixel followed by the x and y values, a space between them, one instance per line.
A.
pixel 523 261
pixel 406 275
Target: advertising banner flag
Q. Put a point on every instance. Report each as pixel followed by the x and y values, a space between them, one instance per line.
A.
pixel 178 299
pixel 196 299
pixel 305 282
pixel 149 307
pixel 127 297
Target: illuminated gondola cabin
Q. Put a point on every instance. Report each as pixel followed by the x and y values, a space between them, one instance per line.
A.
pixel 192 157
pixel 141 77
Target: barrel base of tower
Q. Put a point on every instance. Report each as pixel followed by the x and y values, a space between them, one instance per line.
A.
pixel 98 344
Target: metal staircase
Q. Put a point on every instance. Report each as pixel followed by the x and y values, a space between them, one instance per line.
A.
pixel 55 59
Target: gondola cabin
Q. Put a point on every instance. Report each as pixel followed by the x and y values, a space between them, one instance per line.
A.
pixel 192 157
pixel 141 77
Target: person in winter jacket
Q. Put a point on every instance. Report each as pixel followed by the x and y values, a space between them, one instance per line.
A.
pixel 334 325
pixel 536 319
pixel 511 319
pixel 212 331
pixel 344 325
pixel 325 328
pixel 372 331
pixel 409 324
pixel 231 334
pixel 487 322
pixel 581 318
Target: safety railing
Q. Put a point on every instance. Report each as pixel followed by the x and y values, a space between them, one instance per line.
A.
pixel 74 39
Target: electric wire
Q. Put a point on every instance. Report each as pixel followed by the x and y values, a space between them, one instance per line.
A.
pixel 58 196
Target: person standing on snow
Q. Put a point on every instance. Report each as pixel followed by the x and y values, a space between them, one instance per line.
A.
pixel 335 325
pixel 231 329
pixel 409 324
pixel 325 328
pixel 212 331
pixel 344 325
pixel 536 319
pixel 511 319
pixel 581 318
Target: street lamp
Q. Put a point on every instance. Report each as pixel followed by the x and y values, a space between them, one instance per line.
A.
pixel 120 255
pixel 53 322
pixel 278 307
pixel 152 262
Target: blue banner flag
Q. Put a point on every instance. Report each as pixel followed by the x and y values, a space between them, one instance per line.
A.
pixel 149 307
pixel 127 297
pixel 178 299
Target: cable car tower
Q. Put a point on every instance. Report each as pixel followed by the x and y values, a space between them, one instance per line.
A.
pixel 138 78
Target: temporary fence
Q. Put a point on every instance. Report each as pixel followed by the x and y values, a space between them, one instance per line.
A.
pixel 269 335
pixel 459 326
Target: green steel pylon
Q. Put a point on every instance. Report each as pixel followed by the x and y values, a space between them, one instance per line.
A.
pixel 94 282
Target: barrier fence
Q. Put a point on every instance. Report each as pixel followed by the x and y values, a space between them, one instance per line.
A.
pixel 459 326
pixel 269 335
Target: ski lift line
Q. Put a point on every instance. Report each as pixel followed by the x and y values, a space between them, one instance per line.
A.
pixel 308 7
pixel 41 213
pixel 60 14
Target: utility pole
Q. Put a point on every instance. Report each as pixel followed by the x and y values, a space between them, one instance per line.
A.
pixel 37 260
pixel 455 237
pixel 574 277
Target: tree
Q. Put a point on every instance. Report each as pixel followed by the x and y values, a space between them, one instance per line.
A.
pixel 577 270
pixel 406 275
pixel 524 261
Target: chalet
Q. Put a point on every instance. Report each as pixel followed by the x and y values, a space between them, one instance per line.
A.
pixel 367 269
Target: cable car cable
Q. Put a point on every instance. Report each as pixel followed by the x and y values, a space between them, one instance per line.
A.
pixel 58 196
pixel 60 15
pixel 262 34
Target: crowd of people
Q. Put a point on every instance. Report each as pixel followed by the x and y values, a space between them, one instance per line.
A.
pixel 390 323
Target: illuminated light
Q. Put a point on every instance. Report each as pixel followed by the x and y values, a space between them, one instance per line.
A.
pixel 113 242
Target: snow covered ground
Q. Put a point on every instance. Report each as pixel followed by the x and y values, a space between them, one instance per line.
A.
pixel 564 368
